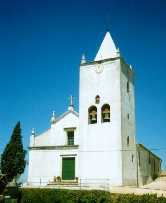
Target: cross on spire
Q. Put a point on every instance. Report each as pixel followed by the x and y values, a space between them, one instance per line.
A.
pixel 71 100
pixel 71 105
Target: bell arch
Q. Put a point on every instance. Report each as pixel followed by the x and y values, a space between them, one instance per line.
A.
pixel 92 115
pixel 105 113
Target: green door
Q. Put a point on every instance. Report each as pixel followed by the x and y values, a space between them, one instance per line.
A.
pixel 68 168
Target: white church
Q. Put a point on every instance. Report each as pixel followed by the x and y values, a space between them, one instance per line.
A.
pixel 97 146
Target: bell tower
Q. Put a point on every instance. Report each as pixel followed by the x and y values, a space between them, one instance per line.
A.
pixel 107 118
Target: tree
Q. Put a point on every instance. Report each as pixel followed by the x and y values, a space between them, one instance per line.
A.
pixel 13 158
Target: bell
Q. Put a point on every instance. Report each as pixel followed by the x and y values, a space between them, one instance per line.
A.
pixel 93 118
pixel 106 116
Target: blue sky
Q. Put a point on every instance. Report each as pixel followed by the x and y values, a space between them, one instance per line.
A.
pixel 41 43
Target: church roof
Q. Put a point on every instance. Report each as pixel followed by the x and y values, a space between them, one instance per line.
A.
pixel 107 49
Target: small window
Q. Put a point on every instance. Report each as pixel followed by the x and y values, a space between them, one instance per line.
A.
pixel 70 137
pixel 105 113
pixel 128 116
pixel 97 99
pixel 149 158
pixel 128 140
pixel 128 87
pixel 132 158
pixel 139 158
pixel 92 115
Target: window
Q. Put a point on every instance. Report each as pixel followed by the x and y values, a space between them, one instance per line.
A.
pixel 92 115
pixel 149 158
pixel 128 116
pixel 154 166
pixel 128 87
pixel 70 137
pixel 139 158
pixel 128 140
pixel 132 158
pixel 97 99
pixel 105 113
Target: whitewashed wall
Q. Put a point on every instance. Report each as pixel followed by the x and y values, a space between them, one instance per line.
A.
pixel 100 145
pixel 44 164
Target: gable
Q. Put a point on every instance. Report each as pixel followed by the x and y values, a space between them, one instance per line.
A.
pixel 56 134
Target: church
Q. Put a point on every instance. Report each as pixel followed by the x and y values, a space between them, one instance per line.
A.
pixel 96 147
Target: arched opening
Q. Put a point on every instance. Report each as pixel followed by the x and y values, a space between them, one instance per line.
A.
pixel 97 99
pixel 92 115
pixel 105 113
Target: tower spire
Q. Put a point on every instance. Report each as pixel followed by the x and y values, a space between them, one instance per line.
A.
pixel 107 49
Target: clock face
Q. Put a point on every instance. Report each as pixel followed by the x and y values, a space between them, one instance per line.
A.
pixel 99 68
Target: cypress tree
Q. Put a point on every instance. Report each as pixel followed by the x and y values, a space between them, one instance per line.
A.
pixel 13 158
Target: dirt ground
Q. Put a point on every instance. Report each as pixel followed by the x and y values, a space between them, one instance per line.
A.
pixel 157 187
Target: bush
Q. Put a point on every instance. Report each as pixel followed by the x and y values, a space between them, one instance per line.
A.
pixel 147 198
pixel 82 196
pixel 63 196
pixel 3 183
pixel 11 191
